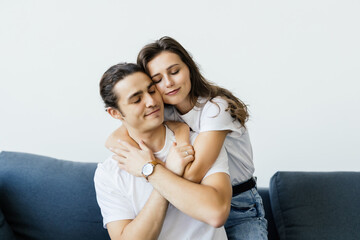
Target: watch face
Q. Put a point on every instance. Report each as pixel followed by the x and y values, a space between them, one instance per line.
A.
pixel 147 169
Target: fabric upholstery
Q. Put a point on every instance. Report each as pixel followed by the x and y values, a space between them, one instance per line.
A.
pixel 316 205
pixel 272 232
pixel 46 198
pixel 5 231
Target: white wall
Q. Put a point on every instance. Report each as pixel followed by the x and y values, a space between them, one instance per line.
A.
pixel 296 63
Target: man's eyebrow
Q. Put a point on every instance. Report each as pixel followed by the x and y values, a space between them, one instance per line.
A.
pixel 140 91
pixel 166 69
pixel 135 94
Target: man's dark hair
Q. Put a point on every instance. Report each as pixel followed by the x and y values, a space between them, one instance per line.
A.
pixel 111 77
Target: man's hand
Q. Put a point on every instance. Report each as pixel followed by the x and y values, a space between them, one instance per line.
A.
pixel 132 159
pixel 179 157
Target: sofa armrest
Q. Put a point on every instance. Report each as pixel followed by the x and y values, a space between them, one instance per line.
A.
pixel 316 205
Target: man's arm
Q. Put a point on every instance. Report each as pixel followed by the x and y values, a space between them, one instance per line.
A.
pixel 146 225
pixel 118 212
pixel 208 202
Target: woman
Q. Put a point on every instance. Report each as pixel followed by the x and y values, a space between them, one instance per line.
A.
pixel 219 118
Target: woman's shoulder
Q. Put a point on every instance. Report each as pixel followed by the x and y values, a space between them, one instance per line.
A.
pixel 218 104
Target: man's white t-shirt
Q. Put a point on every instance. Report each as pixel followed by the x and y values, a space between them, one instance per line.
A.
pixel 121 196
pixel 211 116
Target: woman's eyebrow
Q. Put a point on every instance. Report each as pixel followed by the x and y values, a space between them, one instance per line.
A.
pixel 172 66
pixel 166 69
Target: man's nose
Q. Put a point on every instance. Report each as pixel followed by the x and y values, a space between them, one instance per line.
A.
pixel 149 100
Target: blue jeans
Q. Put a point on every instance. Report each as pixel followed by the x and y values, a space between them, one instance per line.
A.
pixel 247 217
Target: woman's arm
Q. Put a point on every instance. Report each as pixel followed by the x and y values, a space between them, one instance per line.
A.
pixel 181 131
pixel 122 134
pixel 208 202
pixel 207 147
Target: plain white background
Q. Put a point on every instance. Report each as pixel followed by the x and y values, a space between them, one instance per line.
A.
pixel 295 63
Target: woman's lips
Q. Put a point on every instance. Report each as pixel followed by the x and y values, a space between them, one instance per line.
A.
pixel 173 92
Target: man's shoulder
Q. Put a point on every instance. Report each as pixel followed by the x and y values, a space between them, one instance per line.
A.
pixel 108 169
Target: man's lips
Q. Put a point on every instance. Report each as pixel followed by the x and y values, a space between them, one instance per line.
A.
pixel 173 92
pixel 155 111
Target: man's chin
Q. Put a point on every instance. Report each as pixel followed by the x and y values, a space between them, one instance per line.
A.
pixel 153 124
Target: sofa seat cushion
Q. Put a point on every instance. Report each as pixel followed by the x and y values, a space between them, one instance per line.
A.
pixel 47 198
pixel 316 205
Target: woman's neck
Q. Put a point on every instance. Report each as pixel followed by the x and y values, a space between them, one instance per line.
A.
pixel 185 106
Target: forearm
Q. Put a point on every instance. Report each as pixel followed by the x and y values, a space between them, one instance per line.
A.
pixel 120 133
pixel 181 131
pixel 200 201
pixel 207 147
pixel 148 223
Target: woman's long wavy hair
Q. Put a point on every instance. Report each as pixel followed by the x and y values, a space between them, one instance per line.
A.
pixel 200 87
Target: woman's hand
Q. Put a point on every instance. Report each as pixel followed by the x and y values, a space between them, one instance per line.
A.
pixel 179 157
pixel 131 159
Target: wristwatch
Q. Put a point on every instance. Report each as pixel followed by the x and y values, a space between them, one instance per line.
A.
pixel 148 169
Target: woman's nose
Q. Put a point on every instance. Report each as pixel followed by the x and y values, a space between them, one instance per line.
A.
pixel 168 81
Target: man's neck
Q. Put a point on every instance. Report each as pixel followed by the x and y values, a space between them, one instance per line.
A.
pixel 154 139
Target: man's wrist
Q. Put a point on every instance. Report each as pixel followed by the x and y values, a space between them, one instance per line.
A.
pixel 148 169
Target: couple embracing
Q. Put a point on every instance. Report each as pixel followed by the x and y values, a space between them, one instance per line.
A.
pixel 183 166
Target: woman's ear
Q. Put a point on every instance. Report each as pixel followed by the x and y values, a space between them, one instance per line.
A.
pixel 115 113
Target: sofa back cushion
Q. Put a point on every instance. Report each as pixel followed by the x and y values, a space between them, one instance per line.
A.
pixel 316 205
pixel 46 198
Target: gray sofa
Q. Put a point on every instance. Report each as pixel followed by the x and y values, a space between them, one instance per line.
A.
pixel 47 198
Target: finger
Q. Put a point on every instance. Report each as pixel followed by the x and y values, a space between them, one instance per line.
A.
pixel 117 150
pixel 189 158
pixel 119 159
pixel 120 152
pixel 187 151
pixel 190 151
pixel 122 166
pixel 187 154
pixel 143 146
pixel 186 148
pixel 125 145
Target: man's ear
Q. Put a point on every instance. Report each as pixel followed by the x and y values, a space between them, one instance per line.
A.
pixel 115 113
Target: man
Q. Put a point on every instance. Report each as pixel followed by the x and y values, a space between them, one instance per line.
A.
pixel 140 196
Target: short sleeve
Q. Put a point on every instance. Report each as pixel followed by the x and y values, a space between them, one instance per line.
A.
pixel 114 204
pixel 215 117
pixel 220 165
pixel 169 113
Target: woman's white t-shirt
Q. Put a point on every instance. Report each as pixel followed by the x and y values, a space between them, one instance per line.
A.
pixel 212 116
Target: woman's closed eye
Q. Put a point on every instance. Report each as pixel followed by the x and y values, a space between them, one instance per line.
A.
pixel 175 72
pixel 156 81
pixel 152 89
